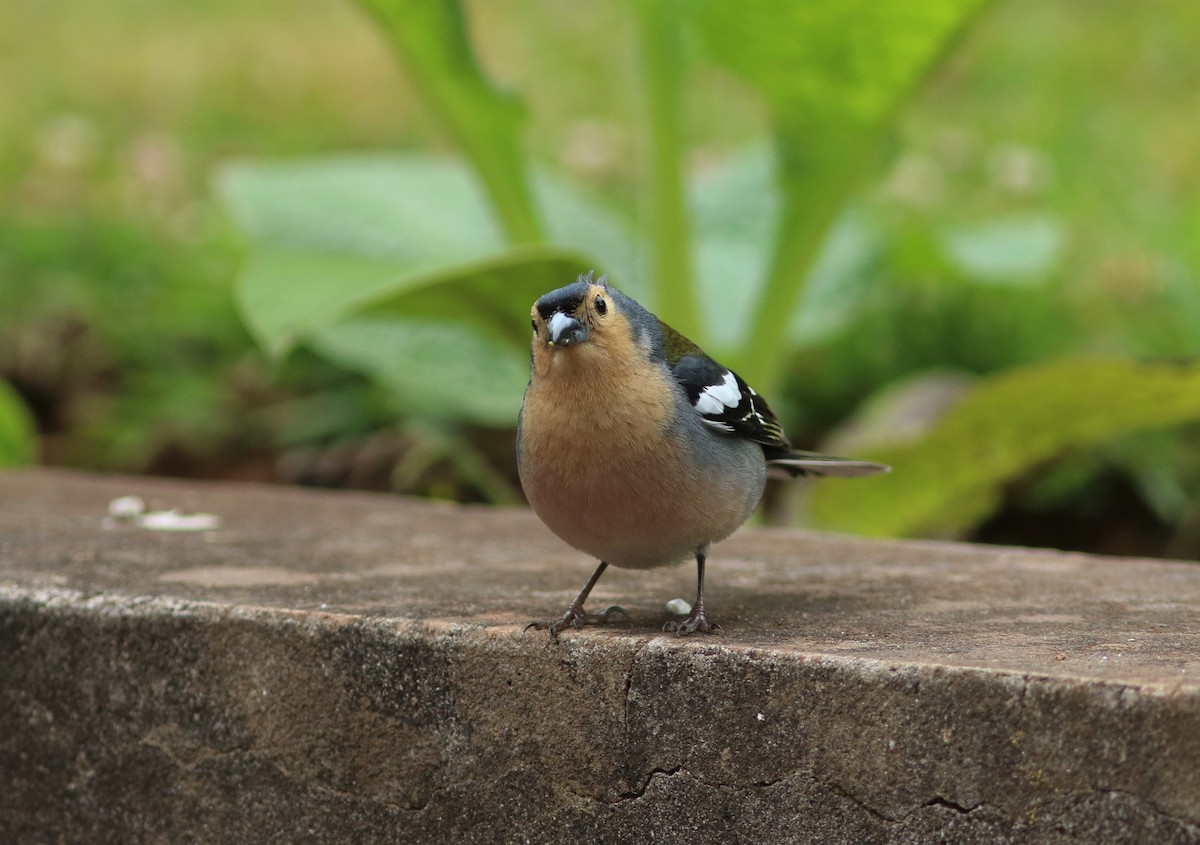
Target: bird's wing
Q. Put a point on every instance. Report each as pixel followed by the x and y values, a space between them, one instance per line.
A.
pixel 728 405
pixel 725 402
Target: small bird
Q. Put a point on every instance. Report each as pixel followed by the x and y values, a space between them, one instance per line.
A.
pixel 636 447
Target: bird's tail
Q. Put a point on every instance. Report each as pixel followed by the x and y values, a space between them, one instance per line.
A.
pixel 784 463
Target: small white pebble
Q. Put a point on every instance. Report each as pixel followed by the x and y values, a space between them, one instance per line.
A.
pixel 679 607
pixel 175 521
pixel 761 717
pixel 126 507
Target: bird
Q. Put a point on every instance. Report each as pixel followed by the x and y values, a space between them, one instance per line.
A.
pixel 637 448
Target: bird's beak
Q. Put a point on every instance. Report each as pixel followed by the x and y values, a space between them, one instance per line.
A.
pixel 565 330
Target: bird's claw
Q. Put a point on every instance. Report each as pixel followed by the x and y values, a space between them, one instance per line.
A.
pixel 576 617
pixel 694 622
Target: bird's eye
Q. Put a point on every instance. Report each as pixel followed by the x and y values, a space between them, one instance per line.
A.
pixel 601 306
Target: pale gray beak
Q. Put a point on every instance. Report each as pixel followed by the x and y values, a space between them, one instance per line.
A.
pixel 565 330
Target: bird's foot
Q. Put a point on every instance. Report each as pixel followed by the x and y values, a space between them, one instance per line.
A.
pixel 696 621
pixel 576 617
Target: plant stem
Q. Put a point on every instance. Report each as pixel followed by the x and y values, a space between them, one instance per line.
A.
pixel 430 37
pixel 814 191
pixel 665 206
pixel 797 240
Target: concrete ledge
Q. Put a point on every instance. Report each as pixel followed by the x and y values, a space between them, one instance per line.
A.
pixel 351 668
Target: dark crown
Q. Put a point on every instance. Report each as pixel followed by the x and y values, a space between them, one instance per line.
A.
pixel 567 299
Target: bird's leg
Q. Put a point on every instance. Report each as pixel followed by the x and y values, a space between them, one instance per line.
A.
pixel 575 616
pixel 696 620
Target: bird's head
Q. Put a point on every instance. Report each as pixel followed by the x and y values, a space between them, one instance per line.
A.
pixel 584 320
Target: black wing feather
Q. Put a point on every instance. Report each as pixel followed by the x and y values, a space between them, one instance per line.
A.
pixel 730 406
pixel 726 403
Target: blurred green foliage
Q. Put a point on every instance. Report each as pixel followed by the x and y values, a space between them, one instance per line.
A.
pixel 1035 201
pixel 831 74
pixel 117 324
pixel 16 429
pixel 955 468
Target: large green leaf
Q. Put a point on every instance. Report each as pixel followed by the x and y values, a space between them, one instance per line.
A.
pixel 17 444
pixel 494 295
pixel 286 296
pixel 833 74
pixel 406 235
pixel 434 368
pixel 827 67
pixel 421 210
pixel 1004 426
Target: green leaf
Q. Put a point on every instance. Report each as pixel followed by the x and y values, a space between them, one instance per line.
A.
pixel 17 433
pixel 284 295
pixel 732 207
pixel 392 266
pixel 833 74
pixel 494 295
pixel 434 368
pixel 421 210
pixel 400 234
pixel 431 38
pixel 578 222
pixel 1011 250
pixel 830 66
pixel 1003 427
pixel 287 296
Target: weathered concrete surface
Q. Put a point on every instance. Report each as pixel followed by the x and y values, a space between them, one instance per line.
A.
pixel 351 668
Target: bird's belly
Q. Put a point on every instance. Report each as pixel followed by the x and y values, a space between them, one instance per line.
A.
pixel 640 510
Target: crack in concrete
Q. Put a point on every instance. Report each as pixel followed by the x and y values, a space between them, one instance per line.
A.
pixel 841 791
pixel 633 662
pixel 941 801
pixel 206 754
pixel 634 795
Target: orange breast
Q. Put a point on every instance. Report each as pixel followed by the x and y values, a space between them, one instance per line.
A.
pixel 603 466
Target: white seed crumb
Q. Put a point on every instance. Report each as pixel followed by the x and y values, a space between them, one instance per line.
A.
pixel 126 507
pixel 175 521
pixel 679 607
